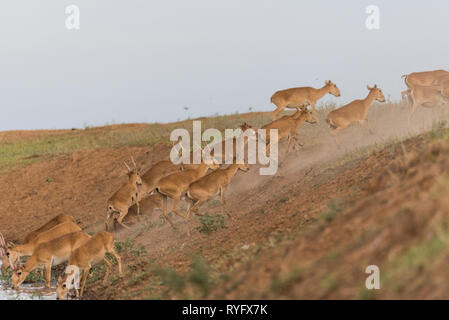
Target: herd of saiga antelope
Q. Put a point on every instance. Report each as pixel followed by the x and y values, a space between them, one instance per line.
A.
pixel 61 239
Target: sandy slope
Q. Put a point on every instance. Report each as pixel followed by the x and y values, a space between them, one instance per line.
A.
pixel 277 224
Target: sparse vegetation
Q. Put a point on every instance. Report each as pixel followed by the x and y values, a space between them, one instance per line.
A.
pixel 334 207
pixel 279 283
pixel 196 283
pixel 211 223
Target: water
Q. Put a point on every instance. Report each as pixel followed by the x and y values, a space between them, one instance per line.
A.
pixel 27 292
pixel 34 291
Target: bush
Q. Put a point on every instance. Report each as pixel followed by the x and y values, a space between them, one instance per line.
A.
pixel 211 223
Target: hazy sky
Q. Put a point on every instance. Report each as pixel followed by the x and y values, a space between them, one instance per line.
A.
pixel 144 61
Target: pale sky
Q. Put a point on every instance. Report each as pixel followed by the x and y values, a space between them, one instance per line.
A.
pixel 144 61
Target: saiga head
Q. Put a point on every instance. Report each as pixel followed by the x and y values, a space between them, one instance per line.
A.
pixel 307 115
pixel 243 166
pixel 13 258
pixel 333 89
pixel 133 174
pixel 244 126
pixel 377 92
pixel 18 276
pixel 62 289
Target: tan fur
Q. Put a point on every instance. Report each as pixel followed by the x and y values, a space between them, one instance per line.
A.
pixel 211 185
pixel 435 96
pixel 125 197
pixel 423 79
pixel 92 252
pixel 221 156
pixel 50 224
pixel 154 201
pixel 3 257
pixel 48 254
pixel 444 88
pixel 152 176
pixel 47 226
pixel 302 97
pixel 175 185
pixel 288 126
pixel 28 248
pixel 354 111
pixel 151 203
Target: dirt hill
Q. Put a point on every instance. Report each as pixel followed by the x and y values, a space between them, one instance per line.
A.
pixel 307 232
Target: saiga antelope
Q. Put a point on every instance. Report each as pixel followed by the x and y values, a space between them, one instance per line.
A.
pixel 435 96
pixel 33 234
pixel 27 249
pixel 152 176
pixel 221 155
pixel 423 79
pixel 288 126
pixel 50 224
pixel 302 97
pixel 444 88
pixel 175 185
pixel 48 254
pixel 354 111
pixel 3 257
pixel 211 185
pixel 125 197
pixel 149 204
pixel 148 200
pixel 92 252
pixel 230 154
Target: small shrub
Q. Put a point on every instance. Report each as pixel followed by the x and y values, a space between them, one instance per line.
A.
pixel 199 275
pixel 171 278
pixel 280 283
pixel 121 246
pixel 334 206
pixel 211 223
pixel 438 129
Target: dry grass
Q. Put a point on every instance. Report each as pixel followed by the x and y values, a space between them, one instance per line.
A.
pixel 21 148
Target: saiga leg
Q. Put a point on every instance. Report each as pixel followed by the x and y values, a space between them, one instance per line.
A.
pixel 193 208
pixel 275 112
pixel 108 269
pixel 121 217
pixel 83 280
pixel 47 272
pixel 138 207
pixel 223 202
pixel 175 207
pixel 119 260
pixel 334 134
pixel 164 210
